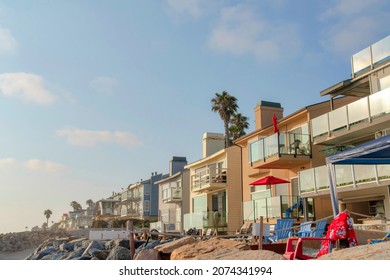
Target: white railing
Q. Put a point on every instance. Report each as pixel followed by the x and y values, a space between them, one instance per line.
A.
pixel 316 179
pixel 362 110
pixel 367 58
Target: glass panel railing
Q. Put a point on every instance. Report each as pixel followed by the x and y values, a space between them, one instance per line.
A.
pixel 319 125
pixel 381 50
pixel 248 211
pixel 193 220
pixel 371 56
pixel 284 143
pixel 307 181
pixel 256 150
pixel 271 147
pixel 383 171
pixel 364 173
pixel 380 103
pixel 338 119
pixel 373 106
pixel 344 176
pixel 316 179
pixel 358 111
pixel 361 60
pixel 321 178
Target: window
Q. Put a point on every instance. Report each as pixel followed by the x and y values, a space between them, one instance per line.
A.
pixel 146 206
pixel 384 83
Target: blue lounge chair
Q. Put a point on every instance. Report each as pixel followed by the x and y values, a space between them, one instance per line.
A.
pixel 304 230
pixel 319 231
pixel 282 230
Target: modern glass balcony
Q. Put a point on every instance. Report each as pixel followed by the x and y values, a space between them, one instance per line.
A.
pixel 350 116
pixel 275 207
pixel 205 219
pixel 369 57
pixel 209 179
pixel 316 179
pixel 277 145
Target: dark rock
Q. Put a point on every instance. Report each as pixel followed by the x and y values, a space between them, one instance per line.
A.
pixel 119 253
pixel 100 254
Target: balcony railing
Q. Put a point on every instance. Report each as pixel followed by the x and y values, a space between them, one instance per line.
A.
pixel 367 58
pixel 275 207
pixel 171 194
pixel 360 111
pixel 279 144
pixel 209 177
pixel 316 179
pixel 205 219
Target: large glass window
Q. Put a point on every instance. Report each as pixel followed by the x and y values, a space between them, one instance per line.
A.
pixel 199 204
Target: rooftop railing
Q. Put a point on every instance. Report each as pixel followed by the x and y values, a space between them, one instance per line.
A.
pixel 369 57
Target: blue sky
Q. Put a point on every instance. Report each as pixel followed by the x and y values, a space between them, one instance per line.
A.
pixel 95 95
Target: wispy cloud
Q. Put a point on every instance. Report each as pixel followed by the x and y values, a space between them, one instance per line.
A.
pixel 90 138
pixel 27 87
pixel 48 166
pixel 193 8
pixel 105 85
pixel 242 31
pixel 32 164
pixel 8 43
pixel 7 162
pixel 351 25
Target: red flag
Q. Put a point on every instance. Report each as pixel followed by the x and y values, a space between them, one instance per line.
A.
pixel 274 119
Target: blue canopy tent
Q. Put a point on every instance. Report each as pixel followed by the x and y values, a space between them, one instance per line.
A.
pixel 373 152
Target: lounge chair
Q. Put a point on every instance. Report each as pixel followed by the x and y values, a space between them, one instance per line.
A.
pixel 246 228
pixel 282 230
pixel 319 231
pixel 385 238
pixel 304 230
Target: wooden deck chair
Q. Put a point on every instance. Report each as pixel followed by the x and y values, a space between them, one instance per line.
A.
pixel 282 230
pixel 246 228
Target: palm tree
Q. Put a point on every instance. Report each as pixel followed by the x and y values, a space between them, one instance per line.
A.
pixel 47 214
pixel 226 105
pixel 90 203
pixel 238 123
pixel 75 205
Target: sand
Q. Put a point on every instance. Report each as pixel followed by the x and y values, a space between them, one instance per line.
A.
pixel 18 255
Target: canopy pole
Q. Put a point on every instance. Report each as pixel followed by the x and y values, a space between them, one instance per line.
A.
pixel 333 189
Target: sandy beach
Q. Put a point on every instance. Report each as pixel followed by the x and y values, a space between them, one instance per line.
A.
pixel 18 255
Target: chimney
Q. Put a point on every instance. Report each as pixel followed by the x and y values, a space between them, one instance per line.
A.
pixel 212 143
pixel 264 112
pixel 177 164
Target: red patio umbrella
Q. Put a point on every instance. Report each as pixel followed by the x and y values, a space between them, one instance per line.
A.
pixel 269 180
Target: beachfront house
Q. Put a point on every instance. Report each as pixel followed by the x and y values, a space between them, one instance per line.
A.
pixel 362 189
pixel 280 147
pixel 215 187
pixel 173 197
pixel 139 201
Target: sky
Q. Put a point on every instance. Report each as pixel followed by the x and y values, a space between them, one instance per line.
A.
pixel 96 95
